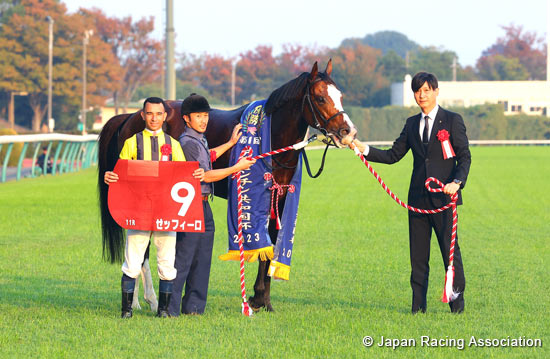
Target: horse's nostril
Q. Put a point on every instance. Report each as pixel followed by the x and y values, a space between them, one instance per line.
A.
pixel 345 132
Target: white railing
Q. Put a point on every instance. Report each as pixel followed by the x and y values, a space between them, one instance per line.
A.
pixel 47 137
pixel 69 152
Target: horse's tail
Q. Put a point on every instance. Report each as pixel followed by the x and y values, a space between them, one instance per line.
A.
pixel 113 234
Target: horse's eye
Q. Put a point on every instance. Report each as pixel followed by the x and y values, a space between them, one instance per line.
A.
pixel 321 99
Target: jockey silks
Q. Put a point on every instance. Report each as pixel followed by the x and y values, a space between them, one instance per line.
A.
pixel 141 147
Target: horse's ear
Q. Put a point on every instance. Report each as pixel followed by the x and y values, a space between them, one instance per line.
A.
pixel 328 70
pixel 314 71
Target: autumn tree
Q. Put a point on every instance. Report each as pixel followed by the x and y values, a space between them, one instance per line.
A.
pixel 256 71
pixel 137 52
pixel 500 68
pixel 24 57
pixel 295 59
pixel 354 70
pixel 527 47
pixel 209 72
pixel 517 46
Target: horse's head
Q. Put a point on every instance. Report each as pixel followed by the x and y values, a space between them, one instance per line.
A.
pixel 322 105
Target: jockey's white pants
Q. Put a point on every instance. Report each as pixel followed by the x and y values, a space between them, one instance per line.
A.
pixel 136 245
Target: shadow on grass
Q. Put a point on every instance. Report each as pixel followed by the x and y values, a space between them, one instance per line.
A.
pixel 315 302
pixel 29 292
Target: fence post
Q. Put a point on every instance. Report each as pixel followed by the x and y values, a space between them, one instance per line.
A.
pixel 56 156
pixel 6 159
pixel 34 157
pixel 45 169
pixel 20 162
pixel 63 164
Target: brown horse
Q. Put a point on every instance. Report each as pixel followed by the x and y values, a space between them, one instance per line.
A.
pixel 311 99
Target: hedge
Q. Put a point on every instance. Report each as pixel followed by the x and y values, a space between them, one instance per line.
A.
pixel 483 122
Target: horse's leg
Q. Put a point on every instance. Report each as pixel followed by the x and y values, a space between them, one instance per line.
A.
pixel 257 301
pixel 262 287
pixel 148 289
pixel 273 232
pixel 267 292
pixel 135 301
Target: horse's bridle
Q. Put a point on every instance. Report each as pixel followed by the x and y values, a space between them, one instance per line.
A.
pixel 315 112
pixel 329 141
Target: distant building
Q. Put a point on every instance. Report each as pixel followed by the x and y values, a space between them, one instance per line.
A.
pixel 108 111
pixel 528 97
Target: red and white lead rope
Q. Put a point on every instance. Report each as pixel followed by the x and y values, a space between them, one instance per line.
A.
pixel 246 310
pixel 247 151
pixel 448 293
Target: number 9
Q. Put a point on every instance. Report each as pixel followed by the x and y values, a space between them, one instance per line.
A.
pixel 185 201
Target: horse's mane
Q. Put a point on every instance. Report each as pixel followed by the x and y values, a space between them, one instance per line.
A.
pixel 290 90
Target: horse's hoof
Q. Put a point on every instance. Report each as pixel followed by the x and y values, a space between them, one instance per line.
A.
pixel 269 308
pixel 126 314
pixel 153 304
pixel 254 305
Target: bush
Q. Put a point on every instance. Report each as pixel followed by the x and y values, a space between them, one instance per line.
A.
pixel 483 122
pixel 15 152
pixel 524 127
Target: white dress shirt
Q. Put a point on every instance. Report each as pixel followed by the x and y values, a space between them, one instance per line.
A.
pixel 431 116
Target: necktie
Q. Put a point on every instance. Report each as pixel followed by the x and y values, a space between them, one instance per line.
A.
pixel 425 133
pixel 154 148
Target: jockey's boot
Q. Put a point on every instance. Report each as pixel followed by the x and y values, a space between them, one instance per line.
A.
pixel 165 293
pixel 128 284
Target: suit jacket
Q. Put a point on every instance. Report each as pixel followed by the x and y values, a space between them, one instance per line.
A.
pixel 430 162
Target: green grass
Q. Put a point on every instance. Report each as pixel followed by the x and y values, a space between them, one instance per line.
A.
pixel 349 278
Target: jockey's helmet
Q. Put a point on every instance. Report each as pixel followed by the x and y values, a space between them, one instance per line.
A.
pixel 194 103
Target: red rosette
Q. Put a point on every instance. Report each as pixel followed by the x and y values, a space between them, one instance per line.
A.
pixel 166 149
pixel 443 135
pixel 267 176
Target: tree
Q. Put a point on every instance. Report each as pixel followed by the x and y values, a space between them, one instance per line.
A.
pixel 295 59
pixel 500 68
pixel 434 60
pixel 526 47
pixel 138 54
pixel 467 73
pixel 208 75
pixel 24 57
pixel 386 41
pixel 256 72
pixel 392 66
pixel 354 70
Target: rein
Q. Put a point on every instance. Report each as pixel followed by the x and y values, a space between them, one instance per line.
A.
pixel 448 293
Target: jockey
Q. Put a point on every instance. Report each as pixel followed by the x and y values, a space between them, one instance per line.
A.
pixel 147 145
pixel 194 250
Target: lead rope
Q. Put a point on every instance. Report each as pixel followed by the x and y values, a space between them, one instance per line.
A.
pixel 448 292
pixel 246 310
pixel 247 151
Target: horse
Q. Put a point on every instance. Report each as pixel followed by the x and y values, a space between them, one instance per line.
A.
pixel 310 100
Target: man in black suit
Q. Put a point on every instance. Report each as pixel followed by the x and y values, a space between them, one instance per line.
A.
pixel 429 161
